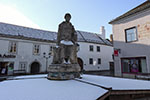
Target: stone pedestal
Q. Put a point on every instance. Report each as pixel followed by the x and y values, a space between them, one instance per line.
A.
pixel 63 71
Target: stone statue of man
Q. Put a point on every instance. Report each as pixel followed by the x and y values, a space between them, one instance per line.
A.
pixel 66 46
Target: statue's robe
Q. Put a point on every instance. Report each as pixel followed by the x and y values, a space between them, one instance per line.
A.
pixel 66 44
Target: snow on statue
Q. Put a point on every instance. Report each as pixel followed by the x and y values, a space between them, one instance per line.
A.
pixel 65 65
pixel 66 42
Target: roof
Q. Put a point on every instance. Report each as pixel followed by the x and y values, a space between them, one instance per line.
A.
pixel 91 37
pixel 135 10
pixel 31 33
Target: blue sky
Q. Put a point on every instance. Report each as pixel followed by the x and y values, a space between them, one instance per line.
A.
pixel 87 15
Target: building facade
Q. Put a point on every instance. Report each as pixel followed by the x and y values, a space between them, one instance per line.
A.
pixel 28 50
pixel 131 35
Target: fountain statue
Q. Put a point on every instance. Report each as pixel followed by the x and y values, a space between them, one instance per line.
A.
pixel 65 65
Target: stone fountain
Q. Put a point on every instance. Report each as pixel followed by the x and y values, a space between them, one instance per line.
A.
pixel 65 65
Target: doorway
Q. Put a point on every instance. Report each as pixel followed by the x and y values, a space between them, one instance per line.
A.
pixel 6 68
pixel 35 68
pixel 80 62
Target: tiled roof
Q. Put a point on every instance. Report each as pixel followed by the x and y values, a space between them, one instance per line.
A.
pixel 15 30
pixel 89 37
pixel 26 32
pixel 137 9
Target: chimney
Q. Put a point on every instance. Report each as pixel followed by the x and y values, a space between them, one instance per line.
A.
pixel 102 32
pixel 111 38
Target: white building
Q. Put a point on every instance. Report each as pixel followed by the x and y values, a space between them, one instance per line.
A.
pixel 26 50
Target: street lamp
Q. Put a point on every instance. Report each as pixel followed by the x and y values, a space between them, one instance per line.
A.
pixel 46 57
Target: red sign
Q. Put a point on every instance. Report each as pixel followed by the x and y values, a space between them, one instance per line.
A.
pixel 116 53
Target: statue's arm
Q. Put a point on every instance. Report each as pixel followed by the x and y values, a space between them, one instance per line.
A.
pixel 74 35
pixel 59 35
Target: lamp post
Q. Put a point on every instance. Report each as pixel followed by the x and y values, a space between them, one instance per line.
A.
pixel 46 57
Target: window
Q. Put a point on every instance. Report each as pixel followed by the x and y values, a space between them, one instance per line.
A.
pixel 131 34
pixel 51 49
pixel 11 66
pixel 36 49
pixel 98 48
pixel 90 60
pixel 13 47
pixel 134 65
pixel 22 66
pixel 91 48
pixel 99 60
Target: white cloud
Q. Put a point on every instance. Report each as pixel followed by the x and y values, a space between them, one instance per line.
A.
pixel 13 16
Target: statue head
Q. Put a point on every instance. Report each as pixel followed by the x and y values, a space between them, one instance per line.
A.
pixel 67 17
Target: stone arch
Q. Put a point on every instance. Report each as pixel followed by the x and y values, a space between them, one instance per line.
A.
pixel 81 63
pixel 35 67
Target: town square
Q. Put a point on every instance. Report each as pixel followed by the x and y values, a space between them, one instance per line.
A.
pixel 74 50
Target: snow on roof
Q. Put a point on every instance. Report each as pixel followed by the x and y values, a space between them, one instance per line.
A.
pixel 117 83
pixel 44 89
pixel 15 30
pixel 91 37
pixel 104 40
pixel 80 37
pixel 107 42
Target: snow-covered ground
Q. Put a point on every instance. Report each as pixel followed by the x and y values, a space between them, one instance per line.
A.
pixel 43 89
pixel 38 87
pixel 117 83
pixel 31 76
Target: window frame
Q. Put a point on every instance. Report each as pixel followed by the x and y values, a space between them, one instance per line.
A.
pixel 20 68
pixel 11 65
pixel 98 61
pixel 99 48
pixel 34 49
pixel 135 33
pixel 9 48
pixel 90 61
pixel 91 49
pixel 129 58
